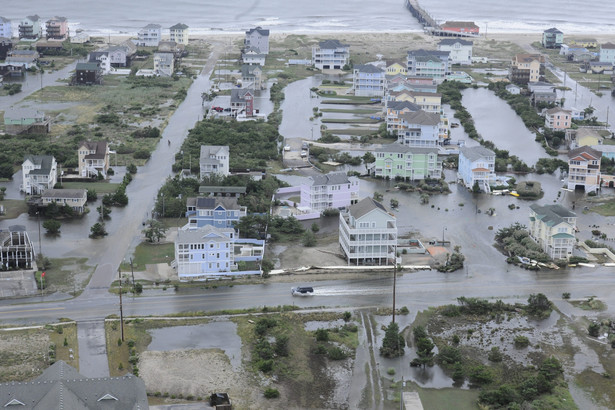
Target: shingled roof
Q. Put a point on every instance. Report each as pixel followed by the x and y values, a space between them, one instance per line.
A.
pixel 552 214
pixel 365 206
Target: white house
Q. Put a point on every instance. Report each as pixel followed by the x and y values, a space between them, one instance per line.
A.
pixel 460 51
pixel 179 33
pixel 30 28
pixel 6 30
pixel 214 160
pixel 103 60
pixel 476 165
pixel 553 228
pixel 330 54
pixel 164 64
pixel 368 80
pixel 607 53
pixel 419 129
pixel 40 172
pixel 252 56
pixel 257 38
pixel 75 198
pixel 368 234
pixel 584 169
pixel 149 36
pixel 513 88
pixel 334 190
pixel 80 37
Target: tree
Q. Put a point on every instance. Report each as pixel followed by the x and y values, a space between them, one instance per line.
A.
pixel 119 197
pixel 378 196
pixel 393 343
pixel 131 168
pixel 539 305
pixel 368 158
pixel 315 228
pixel 154 231
pixel 52 210
pixel 475 187
pixel 103 212
pixel 52 226
pixel 394 203
pixel 424 199
pixel 2 193
pixel 594 329
pixel 98 230
pixel 309 239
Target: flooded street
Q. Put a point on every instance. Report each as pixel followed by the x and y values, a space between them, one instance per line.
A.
pixel 297 110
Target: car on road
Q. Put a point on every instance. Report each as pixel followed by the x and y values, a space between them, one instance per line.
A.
pixel 305 146
pixel 302 291
pixel 227 109
pixel 287 148
pixel 304 154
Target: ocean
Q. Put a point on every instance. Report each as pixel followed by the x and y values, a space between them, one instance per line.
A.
pixel 313 16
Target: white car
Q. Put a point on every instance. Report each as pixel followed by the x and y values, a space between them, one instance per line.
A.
pixel 287 148
pixel 304 154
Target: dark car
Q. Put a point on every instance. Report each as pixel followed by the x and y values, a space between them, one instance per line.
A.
pixel 302 290
pixel 220 401
pixel 227 109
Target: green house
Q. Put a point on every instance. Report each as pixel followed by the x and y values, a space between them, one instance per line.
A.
pixel 410 163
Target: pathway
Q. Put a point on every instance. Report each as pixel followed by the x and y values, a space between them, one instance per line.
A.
pixel 92 348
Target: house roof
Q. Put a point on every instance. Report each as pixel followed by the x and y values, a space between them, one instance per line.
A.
pixel 428 53
pixel 555 110
pixel 204 189
pixel 238 94
pixel 460 24
pixel 511 85
pixel 248 69
pixel 607 45
pixel 474 153
pixel 552 214
pixel 4 20
pixel 64 193
pixel 563 236
pixel 259 30
pixel 61 386
pixel 452 41
pixel 368 68
pixel 153 26
pixel 178 26
pixel 166 57
pixel 43 162
pixel 99 148
pixel 33 18
pixel 403 149
pixel 331 44
pixel 57 18
pixel 87 67
pixel 95 55
pixel 526 58
pixel 604 148
pixel 365 206
pixel 206 233
pixel 24 53
pixel 400 105
pixel 553 30
pixel 593 153
pixel 227 203
pixel 333 178
pixel 208 151
pixel 421 117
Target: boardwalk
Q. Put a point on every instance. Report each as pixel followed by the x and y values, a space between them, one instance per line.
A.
pixel 429 23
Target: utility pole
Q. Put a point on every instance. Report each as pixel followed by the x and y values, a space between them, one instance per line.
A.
pixel 132 271
pixel 394 284
pixel 119 273
pixel 40 244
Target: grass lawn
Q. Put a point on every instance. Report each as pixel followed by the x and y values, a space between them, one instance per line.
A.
pixel 359 132
pixel 13 208
pixel 99 187
pixel 68 275
pixel 606 209
pixel 147 253
pixel 448 398
pixel 69 334
pixel 357 111
pixel 349 121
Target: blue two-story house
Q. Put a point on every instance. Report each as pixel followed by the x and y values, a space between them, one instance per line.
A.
pixel 220 212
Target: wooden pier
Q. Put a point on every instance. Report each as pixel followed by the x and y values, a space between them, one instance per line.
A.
pixel 429 23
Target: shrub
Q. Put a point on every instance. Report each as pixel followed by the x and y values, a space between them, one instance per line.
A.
pixel 480 375
pixel 265 366
pixel 449 355
pixel 593 329
pixel 271 393
pixel 346 316
pixel 404 310
pixel 391 371
pixel 336 353
pixel 495 355
pixel 322 335
pixel 521 342
pixel 566 295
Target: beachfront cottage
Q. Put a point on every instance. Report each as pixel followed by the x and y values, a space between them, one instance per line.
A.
pixel 6 29
pixel 149 36
pixel 251 77
pixel 410 163
pixel 122 55
pixel 57 28
pixel 397 69
pixel 16 252
pixel 601 67
pixel 102 59
pixel 460 50
pixel 253 56
pixel 466 27
pixel 394 109
pixel 542 92
pixel 39 172
pixel 419 129
pixel 242 102
pixel 257 38
pixel 210 252
pixel 179 33
pixel 330 54
pixel 578 137
pixel 335 190
pixel 221 212
pixel 583 42
pixel 476 166
pixel 60 386
pixel 30 28
pixel 513 89
pixel 527 68
pixel 80 37
pixel 75 198
pixel 24 58
pixel 558 119
pixel 428 63
pixel 88 74
pixel 552 38
pixel 214 160
pixel 368 234
pixel 584 169
pixel 25 121
pixel 164 64
pixel 93 157
pixel 607 53
pixel 368 80
pixel 553 228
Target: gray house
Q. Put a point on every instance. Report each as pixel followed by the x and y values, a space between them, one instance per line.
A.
pixel 62 387
pixel 257 38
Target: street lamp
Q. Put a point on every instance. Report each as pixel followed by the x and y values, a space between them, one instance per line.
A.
pixel 443 229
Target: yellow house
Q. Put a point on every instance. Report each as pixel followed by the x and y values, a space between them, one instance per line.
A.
pixel 588 137
pixel 583 42
pixel 397 68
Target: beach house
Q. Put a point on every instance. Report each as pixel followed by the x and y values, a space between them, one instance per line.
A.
pixel 39 172
pixel 419 129
pixel 88 74
pixel 257 38
pixel 164 64
pixel 251 77
pixel 335 190
pixel 393 111
pixel 368 80
pixel 410 163
pixel 553 228
pixel 221 212
pixel 16 252
pixel 242 102
pixel 428 63
pixel 584 169
pixel 527 68
pixel 30 28
pixel 466 27
pixel 607 53
pixel 149 36
pixel 330 54
pixel 57 28
pixel 558 119
pixel 252 55
pixel 6 28
pixel 179 33
pixel 396 68
pixel 476 166
pixel 368 234
pixel 552 38
pixel 74 198
pixel 460 51
pixel 214 160
pixel 102 59
pixel 93 157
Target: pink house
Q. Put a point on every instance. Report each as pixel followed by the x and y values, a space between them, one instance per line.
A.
pixel 334 190
pixel 57 28
pixel 558 119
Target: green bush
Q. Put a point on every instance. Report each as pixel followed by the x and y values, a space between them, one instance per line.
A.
pixel 271 393
pixel 322 335
pixel 336 353
pixel 495 355
pixel 521 342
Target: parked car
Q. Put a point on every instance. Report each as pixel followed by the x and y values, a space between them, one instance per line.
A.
pixel 220 401
pixel 228 109
pixel 219 109
pixel 304 154
pixel 302 291
pixel 305 145
pixel 287 148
